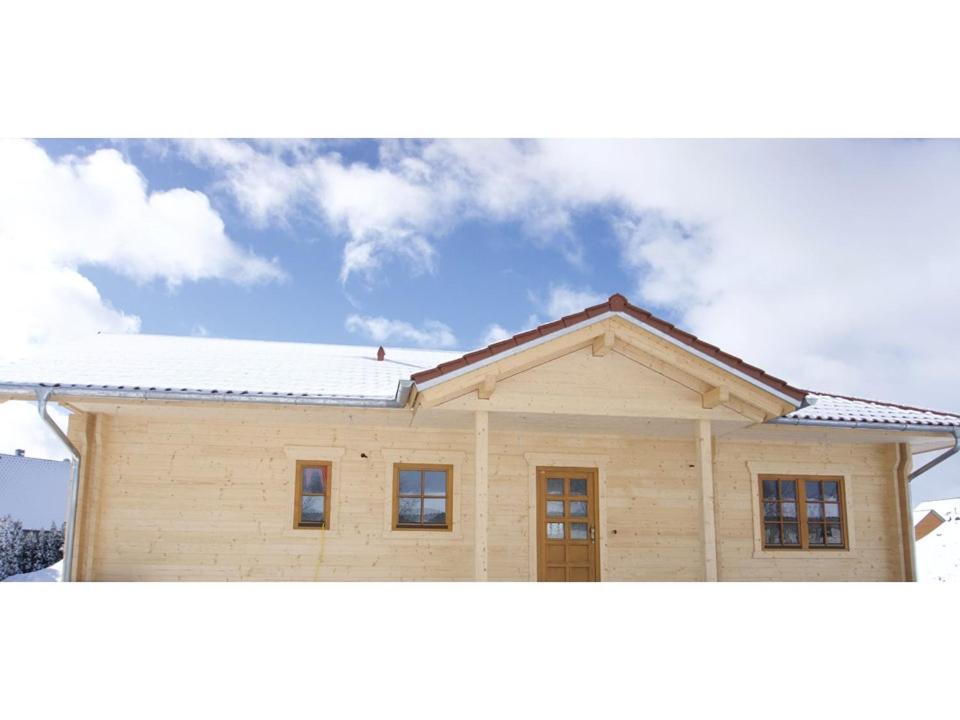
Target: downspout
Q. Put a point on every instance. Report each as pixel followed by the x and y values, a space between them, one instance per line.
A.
pixel 71 519
pixel 905 508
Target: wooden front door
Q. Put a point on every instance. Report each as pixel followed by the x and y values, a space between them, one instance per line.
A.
pixel 567 524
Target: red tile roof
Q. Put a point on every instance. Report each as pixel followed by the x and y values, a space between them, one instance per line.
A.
pixel 616 303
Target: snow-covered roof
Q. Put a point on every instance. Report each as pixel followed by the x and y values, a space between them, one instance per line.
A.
pixel 158 366
pixel 210 366
pixel 845 409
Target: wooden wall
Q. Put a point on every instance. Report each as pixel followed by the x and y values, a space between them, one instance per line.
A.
pixel 871 506
pixel 207 495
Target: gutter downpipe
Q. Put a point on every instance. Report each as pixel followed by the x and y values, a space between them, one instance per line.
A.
pixel 71 520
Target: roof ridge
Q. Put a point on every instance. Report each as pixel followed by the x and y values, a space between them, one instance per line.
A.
pixel 389 348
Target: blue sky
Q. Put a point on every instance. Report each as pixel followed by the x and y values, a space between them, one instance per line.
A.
pixel 832 264
pixel 501 263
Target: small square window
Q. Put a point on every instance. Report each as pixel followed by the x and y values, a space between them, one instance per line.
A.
pixel 421 497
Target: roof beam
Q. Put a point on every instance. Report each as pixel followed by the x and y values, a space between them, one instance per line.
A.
pixel 602 344
pixel 716 396
pixel 486 388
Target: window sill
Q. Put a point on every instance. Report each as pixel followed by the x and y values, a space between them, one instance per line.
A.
pixel 843 553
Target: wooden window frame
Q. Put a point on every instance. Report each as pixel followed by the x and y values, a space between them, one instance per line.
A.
pixel 302 465
pixel 448 497
pixel 802 520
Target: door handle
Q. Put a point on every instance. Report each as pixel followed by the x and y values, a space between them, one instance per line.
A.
pixel 593 534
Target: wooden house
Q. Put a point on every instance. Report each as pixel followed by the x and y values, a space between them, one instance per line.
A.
pixel 606 445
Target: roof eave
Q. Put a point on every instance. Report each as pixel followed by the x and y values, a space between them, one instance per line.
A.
pixel 28 391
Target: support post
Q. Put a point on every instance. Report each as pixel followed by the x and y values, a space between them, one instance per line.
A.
pixel 705 461
pixel 905 508
pixel 482 485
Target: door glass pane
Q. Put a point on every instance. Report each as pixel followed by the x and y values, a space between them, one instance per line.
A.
pixel 578 509
pixel 554 507
pixel 791 534
pixel 434 482
pixel 771 534
pixel 769 489
pixel 578 486
pixel 831 490
pixel 311 508
pixel 313 480
pixel 834 535
pixel 555 531
pixel 813 490
pixel 789 510
pixel 410 482
pixel 832 510
pixel 788 489
pixel 578 531
pixel 814 511
pixel 409 510
pixel 555 486
pixel 435 511
pixel 815 532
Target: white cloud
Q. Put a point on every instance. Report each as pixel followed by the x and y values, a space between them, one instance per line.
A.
pixel 495 333
pixel 564 300
pixel 432 334
pixel 60 215
pixel 398 208
pixel 381 212
pixel 22 428
pixel 97 210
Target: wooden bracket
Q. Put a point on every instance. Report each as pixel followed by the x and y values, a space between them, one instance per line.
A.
pixel 715 396
pixel 486 388
pixel 602 344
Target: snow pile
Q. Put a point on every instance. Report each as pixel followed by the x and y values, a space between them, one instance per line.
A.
pixel 938 554
pixel 50 574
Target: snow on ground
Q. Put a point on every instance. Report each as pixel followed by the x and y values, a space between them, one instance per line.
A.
pixel 50 574
pixel 938 554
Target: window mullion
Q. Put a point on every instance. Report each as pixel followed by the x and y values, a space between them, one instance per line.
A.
pixel 802 509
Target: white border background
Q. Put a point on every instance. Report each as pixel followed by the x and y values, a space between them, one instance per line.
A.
pixel 600 69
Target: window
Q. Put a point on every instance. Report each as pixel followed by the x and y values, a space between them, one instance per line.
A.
pixel 312 508
pixel 422 497
pixel 803 512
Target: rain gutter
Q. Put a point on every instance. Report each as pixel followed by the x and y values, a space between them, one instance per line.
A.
pixel 904 427
pixel 399 399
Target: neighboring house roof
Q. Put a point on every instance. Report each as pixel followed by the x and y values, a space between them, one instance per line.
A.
pixel 156 366
pixel 938 552
pixel 919 515
pixel 948 509
pixel 33 491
